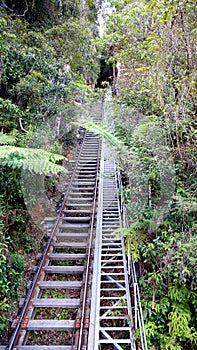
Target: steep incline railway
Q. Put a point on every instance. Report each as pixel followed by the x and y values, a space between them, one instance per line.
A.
pixel 58 304
pixel 79 298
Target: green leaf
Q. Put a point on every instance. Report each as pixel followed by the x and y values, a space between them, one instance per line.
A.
pixel 34 160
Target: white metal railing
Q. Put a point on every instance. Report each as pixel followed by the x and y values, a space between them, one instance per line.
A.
pixel 138 313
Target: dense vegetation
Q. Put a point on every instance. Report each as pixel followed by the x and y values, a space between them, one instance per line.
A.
pixel 154 43
pixel 47 65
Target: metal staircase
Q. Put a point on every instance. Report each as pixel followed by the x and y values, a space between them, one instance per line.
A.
pixel 111 324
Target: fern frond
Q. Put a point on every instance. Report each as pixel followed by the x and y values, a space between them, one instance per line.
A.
pixel 150 130
pixel 149 122
pixel 6 139
pixel 32 159
pixel 101 130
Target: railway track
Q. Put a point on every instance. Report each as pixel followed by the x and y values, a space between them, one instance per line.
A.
pixel 57 306
pixel 79 298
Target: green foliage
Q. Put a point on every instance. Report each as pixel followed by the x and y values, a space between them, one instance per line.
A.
pixel 155 117
pixel 4 306
pixel 11 194
pixel 171 251
pixel 47 63
pixel 17 262
pixel 11 269
pixel 179 320
pixel 134 235
pixel 34 75
pixel 9 115
pixel 153 42
pixel 170 324
pixel 169 281
pixel 4 283
pixel 70 41
pixel 6 139
pixel 34 160
pixel 102 130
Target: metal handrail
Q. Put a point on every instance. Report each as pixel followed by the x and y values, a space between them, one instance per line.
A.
pixel 121 211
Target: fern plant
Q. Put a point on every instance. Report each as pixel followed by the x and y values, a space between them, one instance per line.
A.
pixel 102 130
pixel 35 160
pixel 6 139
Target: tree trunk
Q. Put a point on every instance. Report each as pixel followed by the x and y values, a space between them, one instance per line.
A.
pixel 83 10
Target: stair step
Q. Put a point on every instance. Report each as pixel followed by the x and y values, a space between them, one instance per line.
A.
pixel 85 194
pixel 81 191
pixel 70 244
pixel 89 154
pixel 112 267
pixel 72 234
pixel 111 255
pixel 64 269
pixel 76 218
pixel 73 201
pixel 85 161
pixel 78 184
pixel 112 249
pixel 111 244
pixel 109 238
pixel 60 284
pixel 77 226
pixel 103 298
pixel 56 302
pixel 61 325
pixel 86 168
pixel 85 171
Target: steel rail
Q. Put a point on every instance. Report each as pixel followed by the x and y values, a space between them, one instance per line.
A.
pixel 79 347
pixel 44 257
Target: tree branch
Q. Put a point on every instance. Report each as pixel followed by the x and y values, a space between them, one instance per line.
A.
pixel 21 125
pixel 2 4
